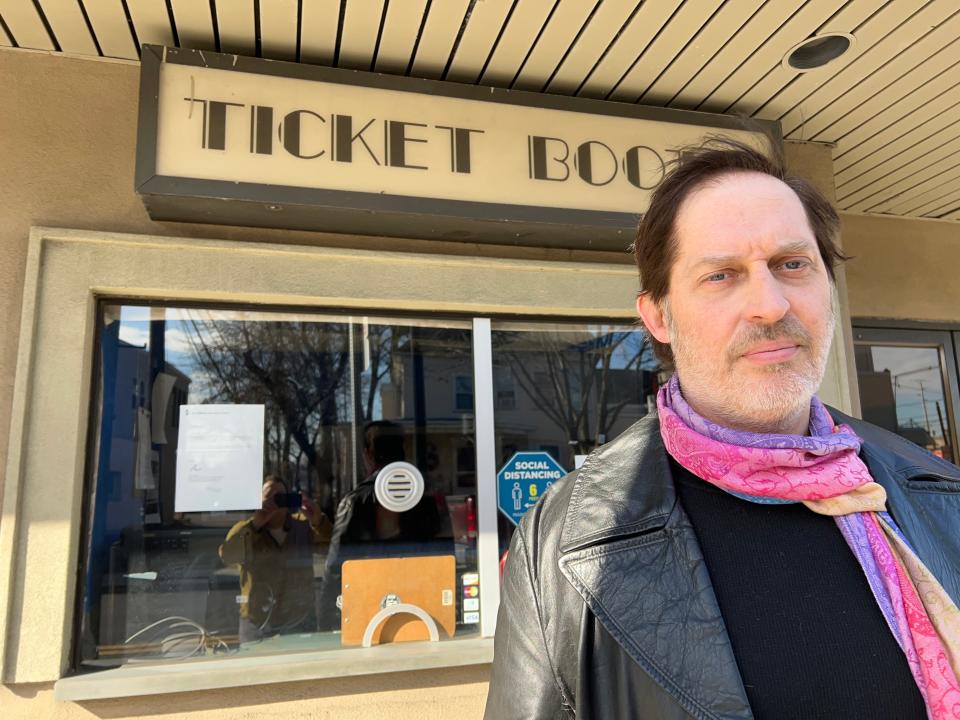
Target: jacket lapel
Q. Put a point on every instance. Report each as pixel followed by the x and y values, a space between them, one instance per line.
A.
pixel 629 550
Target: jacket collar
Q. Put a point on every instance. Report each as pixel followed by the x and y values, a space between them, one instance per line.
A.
pixel 630 552
pixel 607 500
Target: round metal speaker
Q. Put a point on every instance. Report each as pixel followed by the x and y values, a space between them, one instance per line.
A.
pixel 399 486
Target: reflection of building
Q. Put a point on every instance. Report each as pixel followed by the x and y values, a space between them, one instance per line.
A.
pixel 140 417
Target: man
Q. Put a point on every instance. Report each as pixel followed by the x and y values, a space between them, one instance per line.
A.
pixel 730 556
pixel 274 549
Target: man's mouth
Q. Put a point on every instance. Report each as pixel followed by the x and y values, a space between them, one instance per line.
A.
pixel 772 352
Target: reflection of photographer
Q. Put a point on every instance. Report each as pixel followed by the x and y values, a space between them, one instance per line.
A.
pixel 274 549
pixel 363 527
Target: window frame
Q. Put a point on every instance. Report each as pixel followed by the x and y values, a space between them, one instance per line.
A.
pixel 69 271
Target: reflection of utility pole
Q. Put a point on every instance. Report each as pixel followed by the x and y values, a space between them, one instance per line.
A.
pixel 943 431
pixel 923 402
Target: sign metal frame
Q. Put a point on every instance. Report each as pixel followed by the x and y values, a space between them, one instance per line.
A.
pixel 281 206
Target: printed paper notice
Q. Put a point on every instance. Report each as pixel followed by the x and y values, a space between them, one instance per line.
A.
pixel 219 458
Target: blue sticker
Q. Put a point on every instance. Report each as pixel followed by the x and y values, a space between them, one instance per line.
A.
pixel 523 480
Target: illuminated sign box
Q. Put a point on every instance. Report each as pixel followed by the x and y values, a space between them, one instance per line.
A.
pixel 241 141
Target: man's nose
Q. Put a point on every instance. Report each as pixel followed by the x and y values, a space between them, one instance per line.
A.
pixel 766 301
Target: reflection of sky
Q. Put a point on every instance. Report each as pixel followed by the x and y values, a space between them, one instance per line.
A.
pixel 910 370
pixel 135 329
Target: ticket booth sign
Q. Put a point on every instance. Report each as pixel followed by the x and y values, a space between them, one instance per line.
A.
pixel 523 480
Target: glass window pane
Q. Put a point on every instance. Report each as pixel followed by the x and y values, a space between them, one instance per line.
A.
pixel 901 390
pixel 565 389
pixel 317 552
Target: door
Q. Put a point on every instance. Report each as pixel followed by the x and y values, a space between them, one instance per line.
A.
pixel 908 384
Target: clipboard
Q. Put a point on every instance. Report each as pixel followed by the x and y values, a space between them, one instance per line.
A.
pixel 428 582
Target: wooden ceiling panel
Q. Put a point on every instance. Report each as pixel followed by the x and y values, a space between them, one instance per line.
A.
pixel 704 46
pixel 879 42
pixel 628 47
pixel 692 91
pixel 26 26
pixel 520 33
pixel 69 27
pixel 942 157
pixel 676 35
pixel 194 24
pixel 882 168
pixel 480 35
pixel 879 128
pixel 439 34
pixel 933 81
pixel 893 79
pixel 784 89
pixel 944 195
pixel 109 22
pixel 918 192
pixel 236 26
pixel 568 20
pixel 278 30
pixel 768 54
pixel 151 22
pixel 400 29
pixel 358 39
pixel 601 30
pixel 319 23
pixel 947 206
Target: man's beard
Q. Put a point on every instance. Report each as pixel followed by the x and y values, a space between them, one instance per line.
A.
pixel 766 398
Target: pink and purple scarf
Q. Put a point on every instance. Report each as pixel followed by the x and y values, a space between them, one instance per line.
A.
pixel 822 470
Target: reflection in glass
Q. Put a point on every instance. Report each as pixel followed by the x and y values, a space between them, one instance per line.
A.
pixel 342 397
pixel 566 389
pixel 901 390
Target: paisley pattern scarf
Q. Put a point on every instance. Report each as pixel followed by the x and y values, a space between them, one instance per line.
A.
pixel 823 471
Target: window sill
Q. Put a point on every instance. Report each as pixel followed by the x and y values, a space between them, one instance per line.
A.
pixel 206 674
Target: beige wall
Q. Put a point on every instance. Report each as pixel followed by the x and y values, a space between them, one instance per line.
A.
pixel 905 269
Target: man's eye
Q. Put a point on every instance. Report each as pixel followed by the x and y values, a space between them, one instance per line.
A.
pixel 795 264
pixel 717 276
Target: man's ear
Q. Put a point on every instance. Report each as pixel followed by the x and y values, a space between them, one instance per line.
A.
pixel 651 313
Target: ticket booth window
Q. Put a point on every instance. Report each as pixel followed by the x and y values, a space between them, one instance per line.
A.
pixel 262 482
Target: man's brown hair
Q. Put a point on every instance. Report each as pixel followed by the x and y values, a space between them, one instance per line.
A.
pixel 655 248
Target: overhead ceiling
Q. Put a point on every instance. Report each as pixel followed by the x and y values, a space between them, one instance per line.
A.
pixel 891 105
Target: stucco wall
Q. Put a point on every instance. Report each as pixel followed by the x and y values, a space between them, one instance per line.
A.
pixel 903 269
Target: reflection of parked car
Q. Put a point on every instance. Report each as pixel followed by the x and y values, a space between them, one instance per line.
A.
pixel 462 510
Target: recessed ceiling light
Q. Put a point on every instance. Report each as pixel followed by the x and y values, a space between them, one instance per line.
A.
pixel 817 51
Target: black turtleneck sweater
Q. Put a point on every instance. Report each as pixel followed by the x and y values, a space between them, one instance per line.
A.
pixel 806 631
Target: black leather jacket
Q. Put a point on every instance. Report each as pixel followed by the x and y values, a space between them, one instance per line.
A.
pixel 607 610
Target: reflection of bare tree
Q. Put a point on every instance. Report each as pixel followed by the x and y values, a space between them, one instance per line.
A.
pixel 297 370
pixel 575 385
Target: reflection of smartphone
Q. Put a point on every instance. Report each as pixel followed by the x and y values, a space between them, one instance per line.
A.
pixel 291 501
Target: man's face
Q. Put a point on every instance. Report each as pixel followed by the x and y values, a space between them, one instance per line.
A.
pixel 749 315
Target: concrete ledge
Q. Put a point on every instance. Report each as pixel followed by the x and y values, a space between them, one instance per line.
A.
pixel 207 674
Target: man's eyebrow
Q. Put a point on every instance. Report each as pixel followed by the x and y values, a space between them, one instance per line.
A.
pixel 793 248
